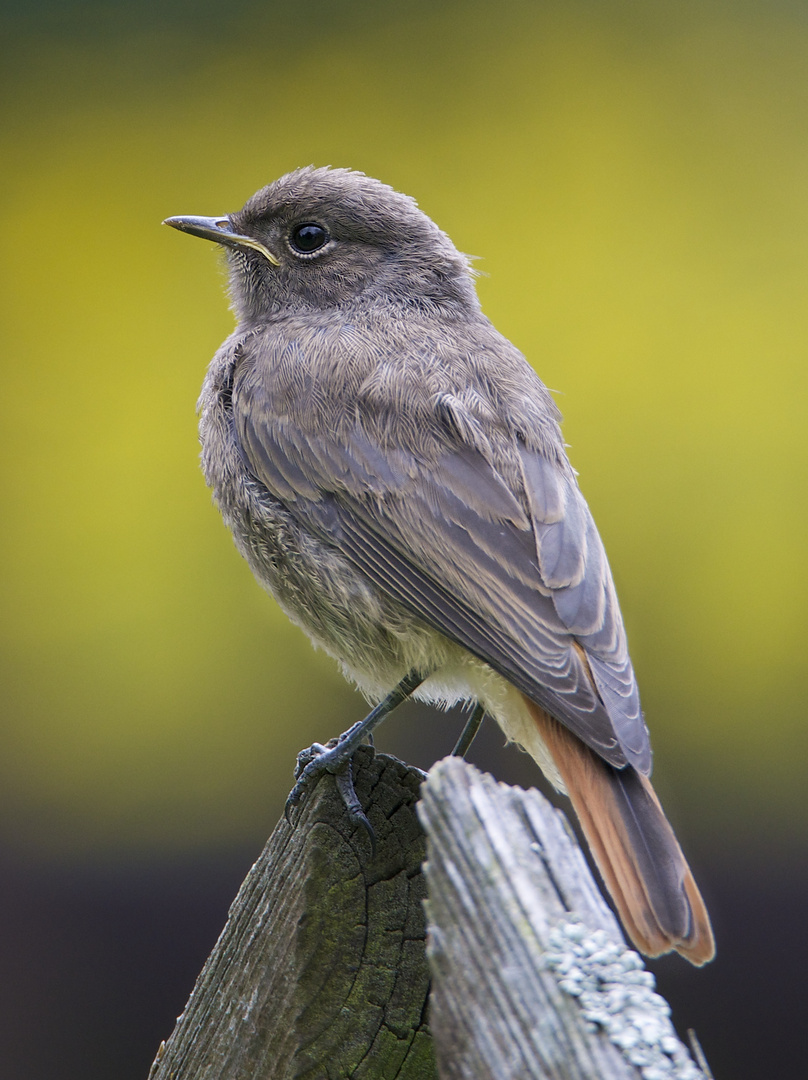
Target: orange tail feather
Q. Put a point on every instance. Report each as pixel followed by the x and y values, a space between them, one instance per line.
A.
pixel 634 847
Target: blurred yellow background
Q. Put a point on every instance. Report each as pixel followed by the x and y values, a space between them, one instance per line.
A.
pixel 635 183
pixel 634 180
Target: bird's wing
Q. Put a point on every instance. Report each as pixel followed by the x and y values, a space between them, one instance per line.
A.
pixel 516 573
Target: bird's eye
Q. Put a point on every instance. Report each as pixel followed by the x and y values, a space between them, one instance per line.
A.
pixel 307 238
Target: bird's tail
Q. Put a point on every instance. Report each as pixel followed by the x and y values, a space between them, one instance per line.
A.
pixel 634 847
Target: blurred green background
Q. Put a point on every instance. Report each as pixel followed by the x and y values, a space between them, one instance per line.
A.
pixel 634 178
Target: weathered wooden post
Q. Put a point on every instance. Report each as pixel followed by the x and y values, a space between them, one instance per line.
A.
pixel 323 969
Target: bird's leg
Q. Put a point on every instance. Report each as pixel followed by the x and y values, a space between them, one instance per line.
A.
pixel 336 758
pixel 469 731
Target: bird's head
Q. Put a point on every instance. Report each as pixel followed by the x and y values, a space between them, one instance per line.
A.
pixel 322 238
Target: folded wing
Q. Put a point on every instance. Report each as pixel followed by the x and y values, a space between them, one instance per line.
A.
pixel 512 570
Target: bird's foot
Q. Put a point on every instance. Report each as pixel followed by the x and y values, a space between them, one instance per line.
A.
pixel 335 758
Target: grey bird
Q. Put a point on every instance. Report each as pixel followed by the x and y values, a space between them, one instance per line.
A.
pixel 393 471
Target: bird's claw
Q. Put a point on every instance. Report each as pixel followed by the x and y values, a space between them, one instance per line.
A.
pixel 312 764
pixel 310 756
pixel 356 815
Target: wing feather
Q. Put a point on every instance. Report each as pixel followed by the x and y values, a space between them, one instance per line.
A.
pixel 512 569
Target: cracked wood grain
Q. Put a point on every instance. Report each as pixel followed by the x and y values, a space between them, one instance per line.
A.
pixel 531 976
pixel 320 972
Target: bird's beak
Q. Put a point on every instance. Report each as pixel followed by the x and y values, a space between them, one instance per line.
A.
pixel 220 231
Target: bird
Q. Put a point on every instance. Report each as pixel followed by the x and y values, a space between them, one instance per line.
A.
pixel 393 471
